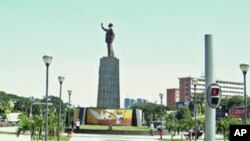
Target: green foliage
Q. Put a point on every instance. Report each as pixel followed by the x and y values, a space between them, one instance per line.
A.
pixel 151 111
pixel 183 113
pixel 200 98
pixel 52 120
pixel 224 124
pixel 6 104
pixel 33 126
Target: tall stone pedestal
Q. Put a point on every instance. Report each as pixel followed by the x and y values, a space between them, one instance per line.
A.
pixel 109 86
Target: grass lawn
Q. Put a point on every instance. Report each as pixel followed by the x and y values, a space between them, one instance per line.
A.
pixel 105 127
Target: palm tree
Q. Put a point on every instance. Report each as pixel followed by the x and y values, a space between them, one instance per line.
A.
pixel 34 126
pixel 25 126
pixel 6 105
pixel 224 124
pixel 52 123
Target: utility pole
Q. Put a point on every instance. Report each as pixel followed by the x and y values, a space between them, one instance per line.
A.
pixel 210 126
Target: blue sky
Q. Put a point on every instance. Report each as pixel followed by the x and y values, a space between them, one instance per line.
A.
pixel 156 41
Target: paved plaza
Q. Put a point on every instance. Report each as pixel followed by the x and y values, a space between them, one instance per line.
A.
pixel 93 137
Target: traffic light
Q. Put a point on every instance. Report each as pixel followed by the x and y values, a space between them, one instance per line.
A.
pixel 213 95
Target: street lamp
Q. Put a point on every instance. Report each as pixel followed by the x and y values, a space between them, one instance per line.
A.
pixel 161 96
pixel 195 82
pixel 69 91
pixel 60 79
pixel 37 103
pixel 47 59
pixel 244 68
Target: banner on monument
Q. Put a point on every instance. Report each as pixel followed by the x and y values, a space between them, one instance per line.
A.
pixel 109 116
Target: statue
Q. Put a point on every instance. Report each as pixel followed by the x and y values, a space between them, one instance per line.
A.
pixel 110 35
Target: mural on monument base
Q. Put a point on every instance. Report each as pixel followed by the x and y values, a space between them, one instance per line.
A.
pixel 109 116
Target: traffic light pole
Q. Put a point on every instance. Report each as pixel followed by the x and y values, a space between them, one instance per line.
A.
pixel 210 126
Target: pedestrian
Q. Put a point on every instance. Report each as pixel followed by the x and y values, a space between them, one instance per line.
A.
pixel 77 123
pixel 151 128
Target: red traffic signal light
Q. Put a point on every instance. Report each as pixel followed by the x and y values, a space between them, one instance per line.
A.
pixel 213 95
pixel 215 91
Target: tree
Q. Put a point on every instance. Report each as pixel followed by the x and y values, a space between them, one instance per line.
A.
pixel 34 126
pixel 6 104
pixel 223 126
pixel 235 101
pixel 200 100
pixel 151 111
pixel 183 113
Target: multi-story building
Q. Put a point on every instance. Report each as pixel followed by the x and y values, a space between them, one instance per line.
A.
pixel 172 96
pixel 130 102
pixel 228 88
pixel 140 100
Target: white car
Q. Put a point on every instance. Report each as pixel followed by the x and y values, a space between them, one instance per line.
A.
pixel 159 126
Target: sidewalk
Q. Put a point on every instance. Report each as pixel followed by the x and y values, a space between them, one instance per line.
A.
pixel 13 137
pixel 106 137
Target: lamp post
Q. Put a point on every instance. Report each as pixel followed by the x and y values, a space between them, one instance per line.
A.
pixel 47 60
pixel 37 103
pixel 60 79
pixel 69 91
pixel 161 96
pixel 244 69
pixel 195 82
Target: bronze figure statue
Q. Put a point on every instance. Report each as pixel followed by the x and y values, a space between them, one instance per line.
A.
pixel 110 35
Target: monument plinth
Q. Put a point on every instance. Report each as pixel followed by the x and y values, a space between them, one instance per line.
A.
pixel 109 86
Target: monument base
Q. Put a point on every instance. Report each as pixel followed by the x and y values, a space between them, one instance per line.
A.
pixel 108 87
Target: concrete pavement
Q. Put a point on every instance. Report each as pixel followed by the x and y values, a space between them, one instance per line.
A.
pixel 93 137
pixel 13 137
pixel 105 137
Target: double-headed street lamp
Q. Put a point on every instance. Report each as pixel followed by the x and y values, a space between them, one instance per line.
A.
pixel 37 103
pixel 195 82
pixel 47 60
pixel 69 91
pixel 244 69
pixel 60 79
pixel 161 96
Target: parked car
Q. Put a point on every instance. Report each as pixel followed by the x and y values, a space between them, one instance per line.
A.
pixel 163 126
pixel 3 122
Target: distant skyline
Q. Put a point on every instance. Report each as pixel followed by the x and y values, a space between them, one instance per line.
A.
pixel 156 42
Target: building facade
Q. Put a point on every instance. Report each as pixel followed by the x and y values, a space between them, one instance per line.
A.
pixel 129 102
pixel 172 96
pixel 228 88
pixel 186 90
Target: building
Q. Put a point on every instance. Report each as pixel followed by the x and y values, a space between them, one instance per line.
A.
pixel 140 100
pixel 129 102
pixel 229 88
pixel 186 90
pixel 172 96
